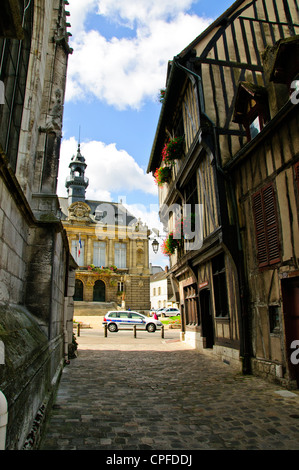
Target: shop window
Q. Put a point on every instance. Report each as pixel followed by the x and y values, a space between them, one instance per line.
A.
pixel 191 305
pixel 220 287
pixel 251 108
pixel 266 226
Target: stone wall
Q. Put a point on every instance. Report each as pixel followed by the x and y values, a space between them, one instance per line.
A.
pixel 34 275
pixel 36 269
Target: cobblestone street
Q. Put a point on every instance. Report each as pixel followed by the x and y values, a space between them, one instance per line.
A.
pixel 126 393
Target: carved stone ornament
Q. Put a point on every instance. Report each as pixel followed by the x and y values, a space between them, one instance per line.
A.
pixel 54 121
pixel 90 282
pixel 79 211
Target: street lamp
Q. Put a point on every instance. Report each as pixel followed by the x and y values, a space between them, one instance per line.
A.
pixel 155 246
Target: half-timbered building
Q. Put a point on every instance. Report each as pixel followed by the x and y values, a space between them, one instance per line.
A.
pixel 229 96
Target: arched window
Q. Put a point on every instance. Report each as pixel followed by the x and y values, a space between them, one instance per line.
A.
pixel 77 172
pixel 78 290
pixel 14 60
pixel 99 291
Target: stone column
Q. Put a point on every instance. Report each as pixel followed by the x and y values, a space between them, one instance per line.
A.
pixel 89 251
pixel 110 252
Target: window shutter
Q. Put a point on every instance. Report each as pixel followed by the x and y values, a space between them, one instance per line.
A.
pixel 271 224
pixel 260 230
pixel 266 226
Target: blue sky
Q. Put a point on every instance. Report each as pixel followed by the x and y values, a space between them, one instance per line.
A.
pixel 121 49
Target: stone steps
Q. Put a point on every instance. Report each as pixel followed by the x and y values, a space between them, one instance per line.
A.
pixel 93 308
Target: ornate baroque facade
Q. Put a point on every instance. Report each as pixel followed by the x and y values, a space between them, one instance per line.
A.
pixel 109 245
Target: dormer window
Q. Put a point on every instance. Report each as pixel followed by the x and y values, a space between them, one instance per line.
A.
pixel 251 108
pixel 285 68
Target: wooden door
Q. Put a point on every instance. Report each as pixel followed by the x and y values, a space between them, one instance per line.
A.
pixel 290 295
pixel 206 317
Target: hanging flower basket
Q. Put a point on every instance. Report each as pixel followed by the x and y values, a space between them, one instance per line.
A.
pixel 173 150
pixel 162 175
pixel 162 95
pixel 169 245
pixel 175 239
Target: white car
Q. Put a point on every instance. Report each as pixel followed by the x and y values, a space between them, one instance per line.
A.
pixel 170 312
pixel 157 311
pixel 126 319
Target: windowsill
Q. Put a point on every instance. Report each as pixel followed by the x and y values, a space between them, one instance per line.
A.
pixel 222 319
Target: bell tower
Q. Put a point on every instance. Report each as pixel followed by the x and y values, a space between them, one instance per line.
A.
pixel 76 183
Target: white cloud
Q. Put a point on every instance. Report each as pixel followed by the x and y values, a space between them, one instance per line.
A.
pixel 108 169
pixel 142 11
pixel 79 10
pixel 124 72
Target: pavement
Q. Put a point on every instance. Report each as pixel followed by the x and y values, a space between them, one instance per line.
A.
pixel 150 393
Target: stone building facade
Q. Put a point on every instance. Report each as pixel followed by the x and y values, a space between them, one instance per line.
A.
pixel 230 109
pixel 37 271
pixel 109 245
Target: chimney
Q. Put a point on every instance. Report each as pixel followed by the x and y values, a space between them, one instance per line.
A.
pixel 166 269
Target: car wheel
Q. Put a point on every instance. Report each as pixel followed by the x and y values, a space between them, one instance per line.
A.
pixel 112 327
pixel 151 328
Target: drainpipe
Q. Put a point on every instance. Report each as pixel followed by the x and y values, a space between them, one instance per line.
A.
pixel 244 347
pixel 3 420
